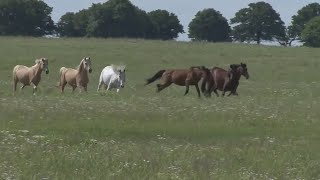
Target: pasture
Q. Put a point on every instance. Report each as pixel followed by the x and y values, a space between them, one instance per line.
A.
pixel 270 131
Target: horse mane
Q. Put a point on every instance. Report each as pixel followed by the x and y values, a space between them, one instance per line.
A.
pixel 37 61
pixel 118 67
pixel 79 67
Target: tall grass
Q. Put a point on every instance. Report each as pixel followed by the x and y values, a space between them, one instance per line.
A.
pixel 270 131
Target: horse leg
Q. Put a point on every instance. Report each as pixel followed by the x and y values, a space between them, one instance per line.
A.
pixel 109 86
pixel 224 88
pixel 118 90
pixel 63 85
pixel 73 88
pixel 85 89
pixel 99 86
pixel 187 90
pixel 34 89
pixel 22 87
pixel 198 90
pixel 215 91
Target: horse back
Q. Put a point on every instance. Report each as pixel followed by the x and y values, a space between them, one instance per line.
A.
pixel 68 74
pixel 20 71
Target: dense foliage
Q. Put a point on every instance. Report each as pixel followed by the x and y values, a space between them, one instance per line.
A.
pixel 257 22
pixel 120 18
pixel 25 17
pixel 209 25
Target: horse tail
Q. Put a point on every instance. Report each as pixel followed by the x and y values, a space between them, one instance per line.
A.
pixel 14 71
pixel 61 72
pixel 155 77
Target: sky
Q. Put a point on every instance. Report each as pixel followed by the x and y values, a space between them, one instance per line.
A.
pixel 185 9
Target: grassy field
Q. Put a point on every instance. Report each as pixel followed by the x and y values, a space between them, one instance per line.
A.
pixel 270 131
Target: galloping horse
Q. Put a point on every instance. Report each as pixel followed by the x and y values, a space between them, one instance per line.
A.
pixel 224 80
pixel 181 77
pixel 76 77
pixel 112 77
pixel 29 75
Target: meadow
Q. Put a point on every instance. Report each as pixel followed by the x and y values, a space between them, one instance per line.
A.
pixel 270 131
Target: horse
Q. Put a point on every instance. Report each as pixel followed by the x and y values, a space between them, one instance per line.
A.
pixel 224 80
pixel 181 77
pixel 29 75
pixel 112 77
pixel 76 77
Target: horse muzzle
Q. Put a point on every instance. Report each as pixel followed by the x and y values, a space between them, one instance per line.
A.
pixel 90 70
pixel 122 86
pixel 247 76
pixel 47 71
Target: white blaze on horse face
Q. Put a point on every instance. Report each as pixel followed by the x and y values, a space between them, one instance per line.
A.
pixel 122 77
pixel 45 66
pixel 87 64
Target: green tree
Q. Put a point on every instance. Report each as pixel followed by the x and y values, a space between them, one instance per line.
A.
pixel 257 22
pixel 25 17
pixel 73 24
pixel 65 26
pixel 311 33
pixel 209 25
pixel 115 18
pixel 165 25
pixel 299 21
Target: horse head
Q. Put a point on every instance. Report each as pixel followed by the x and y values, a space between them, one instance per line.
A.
pixel 244 70
pixel 121 70
pixel 43 62
pixel 86 63
pixel 236 70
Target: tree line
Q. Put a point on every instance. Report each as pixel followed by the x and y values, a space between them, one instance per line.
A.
pixel 120 18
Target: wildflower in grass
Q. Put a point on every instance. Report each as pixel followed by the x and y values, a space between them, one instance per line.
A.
pixel 23 131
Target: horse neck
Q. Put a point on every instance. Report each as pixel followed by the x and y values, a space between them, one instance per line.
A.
pixel 236 76
pixel 81 69
pixel 37 69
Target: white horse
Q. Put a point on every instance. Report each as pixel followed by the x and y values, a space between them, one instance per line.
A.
pixel 112 77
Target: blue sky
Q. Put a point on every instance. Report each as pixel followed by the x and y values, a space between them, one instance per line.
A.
pixel 185 9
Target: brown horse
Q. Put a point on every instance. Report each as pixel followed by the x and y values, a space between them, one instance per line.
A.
pixel 224 80
pixel 76 77
pixel 29 75
pixel 181 77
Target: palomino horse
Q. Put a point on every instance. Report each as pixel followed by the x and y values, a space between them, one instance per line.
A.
pixel 181 77
pixel 76 77
pixel 112 77
pixel 224 80
pixel 29 75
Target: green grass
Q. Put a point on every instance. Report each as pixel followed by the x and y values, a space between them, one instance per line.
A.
pixel 270 131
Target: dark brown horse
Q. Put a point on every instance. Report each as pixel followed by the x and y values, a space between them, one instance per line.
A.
pixel 181 77
pixel 224 80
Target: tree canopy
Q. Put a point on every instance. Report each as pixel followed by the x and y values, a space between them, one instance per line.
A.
pixel 257 22
pixel 120 18
pixel 165 25
pixel 311 33
pixel 25 17
pixel 304 15
pixel 209 25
